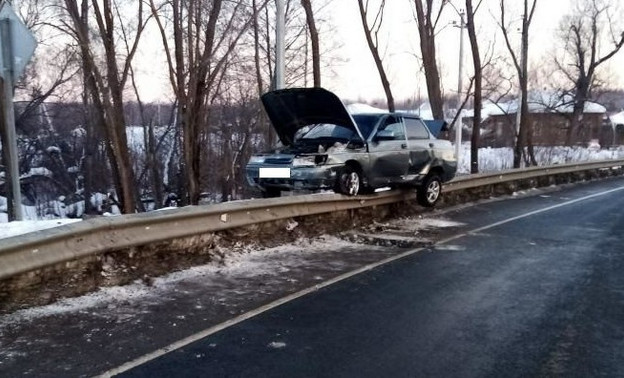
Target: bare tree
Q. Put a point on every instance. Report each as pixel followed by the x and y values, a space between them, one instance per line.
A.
pixel 478 78
pixel 592 35
pixel 106 81
pixel 314 40
pixel 372 38
pixel 427 17
pixel 204 35
pixel 524 134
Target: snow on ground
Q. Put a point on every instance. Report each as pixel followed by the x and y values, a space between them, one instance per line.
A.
pixel 236 266
pixel 418 224
pixel 240 264
pixel 8 229
pixel 497 159
pixel 57 209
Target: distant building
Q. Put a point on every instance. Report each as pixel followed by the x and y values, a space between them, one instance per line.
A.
pixel 550 116
pixel 617 128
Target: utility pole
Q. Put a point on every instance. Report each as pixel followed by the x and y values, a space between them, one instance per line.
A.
pixel 460 87
pixel 17 45
pixel 279 44
pixel 523 68
pixel 12 168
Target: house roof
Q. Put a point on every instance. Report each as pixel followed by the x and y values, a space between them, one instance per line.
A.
pixel 424 111
pixel 358 108
pixel 539 102
pixel 617 119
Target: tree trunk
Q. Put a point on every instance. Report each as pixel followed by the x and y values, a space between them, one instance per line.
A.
pixel 107 95
pixel 428 49
pixel 524 136
pixel 375 52
pixel 314 39
pixel 157 182
pixel 478 77
pixel 580 97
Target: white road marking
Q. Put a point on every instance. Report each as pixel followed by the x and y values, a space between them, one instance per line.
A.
pixel 546 209
pixel 219 327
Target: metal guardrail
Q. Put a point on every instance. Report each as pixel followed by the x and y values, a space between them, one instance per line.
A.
pixel 21 254
pixel 484 179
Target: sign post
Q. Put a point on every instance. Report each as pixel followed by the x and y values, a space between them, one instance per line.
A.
pixel 17 45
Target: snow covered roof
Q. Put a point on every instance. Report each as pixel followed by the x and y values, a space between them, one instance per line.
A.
pixel 424 111
pixel 617 119
pixel 358 108
pixel 539 102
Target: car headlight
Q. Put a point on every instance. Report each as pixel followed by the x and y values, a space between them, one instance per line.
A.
pixel 309 161
pixel 256 159
pixel 303 161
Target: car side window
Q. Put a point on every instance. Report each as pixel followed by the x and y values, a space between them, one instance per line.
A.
pixel 394 125
pixel 416 129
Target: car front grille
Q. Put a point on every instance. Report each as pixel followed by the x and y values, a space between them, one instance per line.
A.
pixel 278 160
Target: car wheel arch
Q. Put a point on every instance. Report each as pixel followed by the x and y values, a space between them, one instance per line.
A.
pixel 350 166
pixel 436 170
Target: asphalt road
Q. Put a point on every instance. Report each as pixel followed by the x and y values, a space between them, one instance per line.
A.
pixel 532 286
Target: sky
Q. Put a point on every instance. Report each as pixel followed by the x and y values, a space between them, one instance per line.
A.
pixel 359 78
pixel 356 77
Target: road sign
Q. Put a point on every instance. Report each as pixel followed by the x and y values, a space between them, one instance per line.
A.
pixel 21 43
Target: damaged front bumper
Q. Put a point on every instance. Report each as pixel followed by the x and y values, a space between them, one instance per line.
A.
pixel 301 178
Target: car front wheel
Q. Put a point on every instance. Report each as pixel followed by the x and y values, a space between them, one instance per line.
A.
pixel 430 191
pixel 348 181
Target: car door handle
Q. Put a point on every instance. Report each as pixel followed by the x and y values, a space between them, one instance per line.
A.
pixel 404 145
pixel 431 145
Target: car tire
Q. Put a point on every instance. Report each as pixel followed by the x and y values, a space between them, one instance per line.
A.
pixel 271 193
pixel 348 181
pixel 430 191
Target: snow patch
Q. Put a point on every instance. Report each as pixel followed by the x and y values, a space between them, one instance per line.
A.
pixel 249 262
pixel 291 225
pixel 450 247
pixel 498 159
pixel 277 345
pixel 8 229
pixel 38 171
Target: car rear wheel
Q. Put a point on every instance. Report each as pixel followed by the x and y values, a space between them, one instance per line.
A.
pixel 430 191
pixel 348 181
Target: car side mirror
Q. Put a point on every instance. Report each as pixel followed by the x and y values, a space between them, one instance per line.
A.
pixel 384 135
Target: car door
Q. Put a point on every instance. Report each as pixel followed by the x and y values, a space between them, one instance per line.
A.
pixel 388 153
pixel 421 145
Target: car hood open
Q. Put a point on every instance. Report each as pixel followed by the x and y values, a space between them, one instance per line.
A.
pixel 295 108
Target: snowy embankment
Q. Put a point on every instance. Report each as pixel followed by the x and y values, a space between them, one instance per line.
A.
pixel 8 229
pixel 498 159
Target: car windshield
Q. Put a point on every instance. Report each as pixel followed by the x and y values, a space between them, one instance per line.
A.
pixel 366 123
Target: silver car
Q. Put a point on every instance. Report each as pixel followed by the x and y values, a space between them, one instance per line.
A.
pixel 325 147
